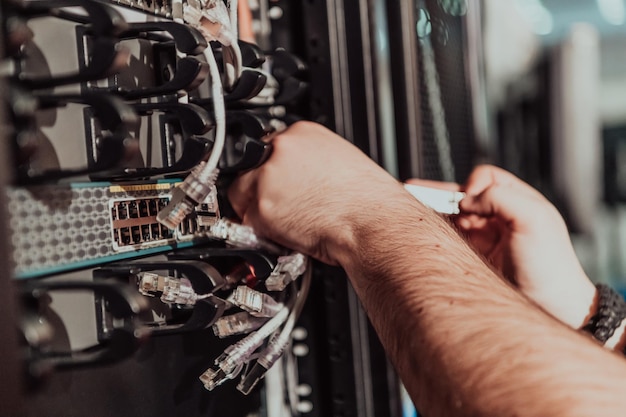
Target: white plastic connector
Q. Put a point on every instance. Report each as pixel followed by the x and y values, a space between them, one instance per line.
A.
pixel 193 191
pixel 255 302
pixel 288 268
pixel 267 358
pixel 151 283
pixel 208 212
pixel 212 18
pixel 217 23
pixel 242 236
pixel 442 201
pixel 275 348
pixel 212 378
pixel 172 290
pixel 179 291
pixel 239 323
pixel 231 361
pixel 235 234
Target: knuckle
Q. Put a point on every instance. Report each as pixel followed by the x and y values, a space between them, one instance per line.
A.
pixel 266 207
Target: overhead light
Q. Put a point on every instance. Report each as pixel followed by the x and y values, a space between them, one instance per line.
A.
pixel 613 11
pixel 539 17
pixel 423 25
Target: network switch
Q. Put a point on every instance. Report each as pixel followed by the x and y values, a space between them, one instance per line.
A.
pixel 57 228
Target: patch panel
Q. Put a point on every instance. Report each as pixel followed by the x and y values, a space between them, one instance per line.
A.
pixel 58 228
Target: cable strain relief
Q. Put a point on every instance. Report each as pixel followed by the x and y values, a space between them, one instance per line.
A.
pixel 252 378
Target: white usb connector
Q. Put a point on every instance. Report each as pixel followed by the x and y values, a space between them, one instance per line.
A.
pixel 442 201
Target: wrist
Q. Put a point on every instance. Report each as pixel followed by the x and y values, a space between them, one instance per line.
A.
pixel 573 304
pixel 370 222
pixel 584 306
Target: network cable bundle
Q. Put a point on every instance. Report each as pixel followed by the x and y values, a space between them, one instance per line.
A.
pixel 127 121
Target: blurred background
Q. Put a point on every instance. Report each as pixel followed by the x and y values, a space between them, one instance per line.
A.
pixel 556 78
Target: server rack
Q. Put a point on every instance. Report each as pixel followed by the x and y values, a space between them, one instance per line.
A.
pixel 365 64
pixel 10 393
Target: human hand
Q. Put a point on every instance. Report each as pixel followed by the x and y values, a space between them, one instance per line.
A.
pixel 311 192
pixel 523 236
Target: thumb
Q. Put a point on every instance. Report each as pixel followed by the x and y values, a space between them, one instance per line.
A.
pixel 513 206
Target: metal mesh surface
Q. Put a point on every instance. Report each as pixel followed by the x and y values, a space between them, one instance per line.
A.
pixel 446 125
pixel 60 227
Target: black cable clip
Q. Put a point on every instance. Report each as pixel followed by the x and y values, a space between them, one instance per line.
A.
pixel 101 22
pixel 204 279
pixel 193 120
pixel 289 71
pixel 245 149
pixel 110 146
pixel 115 344
pixel 188 40
pixel 260 263
pixel 189 74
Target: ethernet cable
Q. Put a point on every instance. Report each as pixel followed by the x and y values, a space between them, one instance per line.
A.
pixel 230 363
pixel 274 350
pixel 173 290
pixel 254 302
pixel 201 179
pixel 242 236
pixel 218 23
pixel 238 323
pixel 288 268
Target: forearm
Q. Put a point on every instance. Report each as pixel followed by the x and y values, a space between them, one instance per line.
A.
pixel 464 342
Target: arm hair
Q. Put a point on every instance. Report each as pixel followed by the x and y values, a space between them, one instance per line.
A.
pixel 463 341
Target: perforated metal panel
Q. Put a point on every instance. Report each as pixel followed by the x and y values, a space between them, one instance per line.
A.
pixel 57 227
pixel 447 129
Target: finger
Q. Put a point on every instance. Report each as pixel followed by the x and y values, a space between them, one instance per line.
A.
pixel 470 221
pixel 484 176
pixel 507 203
pixel 463 222
pixel 450 186
pixel 270 136
pixel 242 192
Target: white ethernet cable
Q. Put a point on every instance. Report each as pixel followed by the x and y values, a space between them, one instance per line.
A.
pixel 230 363
pixel 218 23
pixel 242 236
pixel 288 268
pixel 254 302
pixel 173 290
pixel 274 350
pixel 202 178
pixel 238 323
